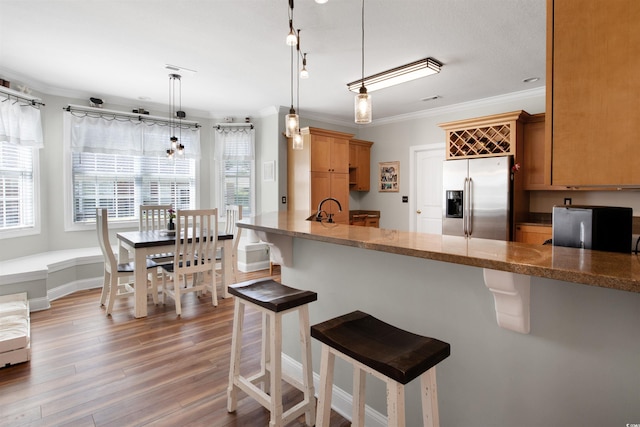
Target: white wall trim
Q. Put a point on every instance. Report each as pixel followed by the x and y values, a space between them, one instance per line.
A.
pixel 341 401
pixel 69 288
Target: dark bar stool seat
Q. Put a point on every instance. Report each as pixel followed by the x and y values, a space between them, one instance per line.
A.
pixel 273 300
pixel 391 354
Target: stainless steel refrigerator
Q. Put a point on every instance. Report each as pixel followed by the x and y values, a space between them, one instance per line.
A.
pixel 477 197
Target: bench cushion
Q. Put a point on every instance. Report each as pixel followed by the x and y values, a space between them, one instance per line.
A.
pixel 15 346
pixel 14 332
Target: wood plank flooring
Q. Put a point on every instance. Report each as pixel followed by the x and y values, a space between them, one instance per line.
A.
pixel 88 369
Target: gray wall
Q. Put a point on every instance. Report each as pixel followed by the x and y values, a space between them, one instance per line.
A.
pixel 392 141
pixel 578 366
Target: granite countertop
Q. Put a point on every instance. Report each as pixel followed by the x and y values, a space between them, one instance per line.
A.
pixel 595 268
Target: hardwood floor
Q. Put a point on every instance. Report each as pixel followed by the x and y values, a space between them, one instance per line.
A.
pixel 88 369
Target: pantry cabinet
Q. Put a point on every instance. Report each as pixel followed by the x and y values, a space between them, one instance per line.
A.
pixel 593 91
pixel 318 171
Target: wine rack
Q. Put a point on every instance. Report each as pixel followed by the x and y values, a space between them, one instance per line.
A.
pixel 483 137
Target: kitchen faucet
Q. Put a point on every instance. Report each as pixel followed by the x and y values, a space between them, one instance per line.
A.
pixel 329 216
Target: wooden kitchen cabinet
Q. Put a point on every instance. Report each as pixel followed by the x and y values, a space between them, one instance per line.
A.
pixel 496 135
pixel 329 184
pixel 535 234
pixel 360 165
pixel 329 152
pixel 536 163
pixel 318 171
pixel 365 218
pixel 593 91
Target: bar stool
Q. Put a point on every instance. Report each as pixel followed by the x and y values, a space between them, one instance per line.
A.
pixel 273 300
pixel 393 355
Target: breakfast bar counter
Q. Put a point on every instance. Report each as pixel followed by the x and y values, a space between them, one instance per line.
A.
pixel 597 268
pixel 567 351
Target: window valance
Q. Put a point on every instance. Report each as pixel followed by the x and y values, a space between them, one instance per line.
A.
pixel 121 133
pixel 234 142
pixel 20 121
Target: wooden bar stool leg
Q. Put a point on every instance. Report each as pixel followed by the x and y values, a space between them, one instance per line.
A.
pixel 359 382
pixel 395 404
pixel 307 368
pixel 236 346
pixel 275 341
pixel 429 392
pixel 327 361
pixel 265 369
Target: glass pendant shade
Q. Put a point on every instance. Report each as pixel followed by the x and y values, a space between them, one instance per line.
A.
pixel 292 38
pixel 297 143
pixel 292 123
pixel 363 107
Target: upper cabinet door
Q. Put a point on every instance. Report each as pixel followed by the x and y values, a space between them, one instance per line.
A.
pixel 321 153
pixel 593 91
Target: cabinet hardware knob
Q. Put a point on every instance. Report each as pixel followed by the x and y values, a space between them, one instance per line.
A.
pixel 418 211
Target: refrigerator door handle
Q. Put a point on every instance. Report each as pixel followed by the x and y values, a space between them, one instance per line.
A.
pixel 470 208
pixel 465 206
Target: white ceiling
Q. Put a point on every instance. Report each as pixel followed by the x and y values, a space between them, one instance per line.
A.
pixel 117 49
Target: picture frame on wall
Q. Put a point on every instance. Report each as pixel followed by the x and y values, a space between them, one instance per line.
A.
pixel 389 177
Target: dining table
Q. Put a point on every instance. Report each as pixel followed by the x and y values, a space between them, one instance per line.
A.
pixel 145 243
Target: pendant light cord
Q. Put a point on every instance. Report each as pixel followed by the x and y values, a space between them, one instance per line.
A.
pixel 362 43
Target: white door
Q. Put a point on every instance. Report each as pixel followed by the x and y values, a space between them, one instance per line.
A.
pixel 427 210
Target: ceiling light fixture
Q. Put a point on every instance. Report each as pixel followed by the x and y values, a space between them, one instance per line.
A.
pixel 297 142
pixel 304 73
pixel 292 39
pixel 176 144
pixel 362 104
pixel 321 1
pixel 415 70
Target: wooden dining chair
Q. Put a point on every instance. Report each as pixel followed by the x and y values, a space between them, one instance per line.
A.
pixel 233 214
pixel 153 217
pixel 194 256
pixel 112 289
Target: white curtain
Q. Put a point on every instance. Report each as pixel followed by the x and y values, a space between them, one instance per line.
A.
pixel 234 143
pixel 20 122
pixel 110 134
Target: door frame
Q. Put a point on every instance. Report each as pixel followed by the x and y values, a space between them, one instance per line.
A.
pixel 413 185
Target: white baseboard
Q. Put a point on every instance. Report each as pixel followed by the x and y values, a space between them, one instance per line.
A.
pixel 341 401
pixel 68 289
pixel 254 266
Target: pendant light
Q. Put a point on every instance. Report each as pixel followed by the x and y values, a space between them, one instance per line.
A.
pixel 363 99
pixel 304 73
pixel 176 146
pixel 291 39
pixel 291 120
pixel 297 142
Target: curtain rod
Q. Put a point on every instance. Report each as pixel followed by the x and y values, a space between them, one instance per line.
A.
pixel 32 100
pixel 231 125
pixel 114 114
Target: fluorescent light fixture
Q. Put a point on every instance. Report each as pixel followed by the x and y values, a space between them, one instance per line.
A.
pixel 415 70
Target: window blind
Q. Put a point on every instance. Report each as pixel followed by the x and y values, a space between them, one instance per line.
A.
pixel 16 186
